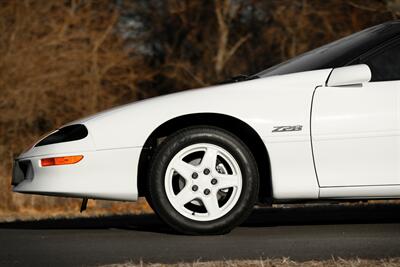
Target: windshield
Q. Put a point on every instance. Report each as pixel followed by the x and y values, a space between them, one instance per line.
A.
pixel 335 54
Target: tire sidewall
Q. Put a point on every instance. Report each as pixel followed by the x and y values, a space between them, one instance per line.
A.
pixel 170 147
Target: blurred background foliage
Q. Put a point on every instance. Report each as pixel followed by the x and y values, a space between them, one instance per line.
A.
pixel 61 60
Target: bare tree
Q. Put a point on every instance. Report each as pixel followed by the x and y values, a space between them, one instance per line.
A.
pixel 59 60
pixel 225 11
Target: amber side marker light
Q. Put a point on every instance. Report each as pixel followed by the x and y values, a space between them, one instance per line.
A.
pixel 60 160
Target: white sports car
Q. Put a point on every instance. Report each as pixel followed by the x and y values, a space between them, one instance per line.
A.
pixel 324 125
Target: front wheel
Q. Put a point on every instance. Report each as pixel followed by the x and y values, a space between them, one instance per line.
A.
pixel 203 180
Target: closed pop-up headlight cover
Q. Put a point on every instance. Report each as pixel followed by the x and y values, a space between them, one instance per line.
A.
pixel 66 134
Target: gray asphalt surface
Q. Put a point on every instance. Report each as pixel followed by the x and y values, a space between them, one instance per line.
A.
pixel 318 232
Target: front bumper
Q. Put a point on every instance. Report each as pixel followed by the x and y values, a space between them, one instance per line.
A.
pixel 101 174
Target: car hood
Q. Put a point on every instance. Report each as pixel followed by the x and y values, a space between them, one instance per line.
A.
pixel 261 103
pixel 240 89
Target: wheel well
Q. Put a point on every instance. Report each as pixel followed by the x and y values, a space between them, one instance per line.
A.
pixel 241 129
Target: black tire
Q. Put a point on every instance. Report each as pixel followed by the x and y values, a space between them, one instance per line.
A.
pixel 212 135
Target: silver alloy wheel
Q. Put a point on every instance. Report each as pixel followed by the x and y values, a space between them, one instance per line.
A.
pixel 203 182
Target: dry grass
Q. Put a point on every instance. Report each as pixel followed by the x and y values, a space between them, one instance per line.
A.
pixel 285 262
pixel 71 209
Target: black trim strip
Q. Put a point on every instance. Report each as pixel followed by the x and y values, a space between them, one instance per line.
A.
pixel 311 141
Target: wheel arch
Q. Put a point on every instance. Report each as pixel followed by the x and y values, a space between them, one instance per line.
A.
pixel 234 125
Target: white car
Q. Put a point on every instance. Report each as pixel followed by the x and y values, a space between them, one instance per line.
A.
pixel 324 125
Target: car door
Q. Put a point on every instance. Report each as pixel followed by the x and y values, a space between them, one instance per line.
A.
pixel 356 128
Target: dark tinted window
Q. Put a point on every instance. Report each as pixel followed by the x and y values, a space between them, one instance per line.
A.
pixel 338 53
pixel 385 64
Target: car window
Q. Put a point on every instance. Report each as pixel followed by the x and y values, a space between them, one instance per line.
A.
pixel 385 64
pixel 337 53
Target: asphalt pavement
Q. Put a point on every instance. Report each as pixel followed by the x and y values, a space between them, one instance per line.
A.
pixel 316 232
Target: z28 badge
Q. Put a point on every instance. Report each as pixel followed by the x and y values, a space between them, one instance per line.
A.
pixel 278 129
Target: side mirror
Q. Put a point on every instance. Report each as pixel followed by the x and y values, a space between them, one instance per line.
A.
pixel 349 75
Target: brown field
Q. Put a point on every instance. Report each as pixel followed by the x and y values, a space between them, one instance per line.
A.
pixel 61 60
pixel 273 263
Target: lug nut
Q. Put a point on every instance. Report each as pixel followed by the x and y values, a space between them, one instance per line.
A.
pixel 195 188
pixel 206 191
pixel 195 175
pixel 206 171
pixel 214 181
